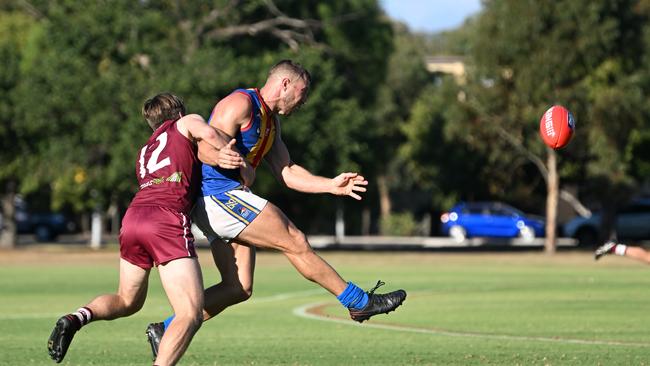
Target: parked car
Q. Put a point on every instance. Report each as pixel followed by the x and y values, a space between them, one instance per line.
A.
pixel 46 226
pixel 489 219
pixel 632 223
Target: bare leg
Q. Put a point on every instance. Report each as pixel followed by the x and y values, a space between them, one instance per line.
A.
pixel 272 229
pixel 638 253
pixel 183 284
pixel 236 263
pixel 130 296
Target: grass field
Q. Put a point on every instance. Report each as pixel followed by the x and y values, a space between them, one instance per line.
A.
pixel 462 309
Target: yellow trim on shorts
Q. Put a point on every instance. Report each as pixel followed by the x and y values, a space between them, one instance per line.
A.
pixel 231 212
pixel 248 206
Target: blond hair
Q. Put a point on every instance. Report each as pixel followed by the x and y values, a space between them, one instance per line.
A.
pixel 291 68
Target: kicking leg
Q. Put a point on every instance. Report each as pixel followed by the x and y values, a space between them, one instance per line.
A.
pixel 272 229
pixel 183 284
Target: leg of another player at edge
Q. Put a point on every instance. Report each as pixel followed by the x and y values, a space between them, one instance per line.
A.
pixel 612 247
pixel 637 253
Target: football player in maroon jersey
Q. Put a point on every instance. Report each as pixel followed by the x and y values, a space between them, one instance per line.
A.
pixel 156 229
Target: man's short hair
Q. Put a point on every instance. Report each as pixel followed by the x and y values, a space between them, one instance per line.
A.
pixel 290 67
pixel 162 107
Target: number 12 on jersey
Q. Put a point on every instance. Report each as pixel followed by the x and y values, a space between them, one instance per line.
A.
pixel 154 163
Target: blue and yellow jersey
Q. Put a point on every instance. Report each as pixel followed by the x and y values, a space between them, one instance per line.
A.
pixel 254 140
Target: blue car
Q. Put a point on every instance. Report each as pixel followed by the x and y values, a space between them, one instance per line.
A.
pixel 489 219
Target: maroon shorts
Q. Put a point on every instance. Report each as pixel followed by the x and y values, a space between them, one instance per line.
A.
pixel 153 235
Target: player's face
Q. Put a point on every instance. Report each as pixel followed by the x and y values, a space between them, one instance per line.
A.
pixel 295 95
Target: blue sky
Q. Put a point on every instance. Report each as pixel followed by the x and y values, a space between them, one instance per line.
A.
pixel 431 15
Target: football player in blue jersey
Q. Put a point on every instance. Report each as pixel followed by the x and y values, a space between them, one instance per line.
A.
pixel 236 221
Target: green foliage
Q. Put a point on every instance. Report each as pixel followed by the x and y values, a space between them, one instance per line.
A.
pixel 525 56
pixel 401 224
pixel 77 72
pixel 15 31
pixel 453 42
pixel 436 152
pixel 582 54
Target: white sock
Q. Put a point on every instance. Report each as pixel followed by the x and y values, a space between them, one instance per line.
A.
pixel 620 249
pixel 84 315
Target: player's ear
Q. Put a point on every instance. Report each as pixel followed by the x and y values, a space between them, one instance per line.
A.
pixel 285 83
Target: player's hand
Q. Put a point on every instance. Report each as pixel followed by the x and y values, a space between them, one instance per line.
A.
pixel 229 157
pixel 348 184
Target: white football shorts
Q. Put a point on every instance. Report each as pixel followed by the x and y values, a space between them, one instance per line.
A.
pixel 226 214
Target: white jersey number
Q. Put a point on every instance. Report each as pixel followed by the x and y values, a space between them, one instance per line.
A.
pixel 154 163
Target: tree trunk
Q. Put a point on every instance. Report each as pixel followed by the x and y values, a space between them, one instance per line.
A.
pixel 96 229
pixel 339 227
pixel 365 221
pixel 85 224
pixel 114 214
pixel 8 229
pixel 552 197
pixel 384 199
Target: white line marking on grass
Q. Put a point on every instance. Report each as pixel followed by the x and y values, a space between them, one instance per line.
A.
pixel 303 311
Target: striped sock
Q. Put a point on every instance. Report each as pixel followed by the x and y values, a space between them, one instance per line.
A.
pixel 84 314
pixel 620 249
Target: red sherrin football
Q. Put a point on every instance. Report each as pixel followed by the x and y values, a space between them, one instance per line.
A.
pixel 556 127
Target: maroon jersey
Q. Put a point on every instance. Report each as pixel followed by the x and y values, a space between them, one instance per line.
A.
pixel 168 170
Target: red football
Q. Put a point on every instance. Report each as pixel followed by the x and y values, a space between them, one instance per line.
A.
pixel 556 127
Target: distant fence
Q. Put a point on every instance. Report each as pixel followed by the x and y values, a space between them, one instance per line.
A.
pixel 353 242
pixel 419 242
pixel 409 242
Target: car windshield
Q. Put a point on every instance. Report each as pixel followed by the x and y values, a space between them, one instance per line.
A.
pixel 493 209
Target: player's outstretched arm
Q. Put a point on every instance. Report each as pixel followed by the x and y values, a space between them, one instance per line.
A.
pixel 300 179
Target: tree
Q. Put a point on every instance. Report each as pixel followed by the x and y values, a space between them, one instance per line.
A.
pixel 405 79
pixel 525 57
pixel 15 31
pixel 578 53
pixel 93 63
